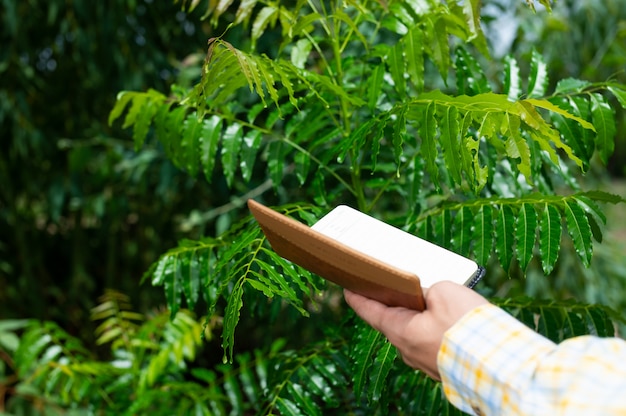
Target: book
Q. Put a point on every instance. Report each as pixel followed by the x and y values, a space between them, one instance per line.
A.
pixel 365 255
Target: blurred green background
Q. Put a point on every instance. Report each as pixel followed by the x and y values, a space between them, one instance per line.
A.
pixel 81 211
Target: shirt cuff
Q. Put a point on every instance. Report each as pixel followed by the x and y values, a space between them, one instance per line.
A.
pixel 486 358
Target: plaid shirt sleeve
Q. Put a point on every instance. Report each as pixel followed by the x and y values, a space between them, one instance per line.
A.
pixel 492 364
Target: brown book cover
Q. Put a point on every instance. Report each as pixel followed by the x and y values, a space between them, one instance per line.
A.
pixel 338 262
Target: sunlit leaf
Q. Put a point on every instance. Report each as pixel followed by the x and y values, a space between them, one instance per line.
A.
pixel 512 79
pixel 571 85
pixel 620 93
pixel 538 80
pixel 266 16
pixel 231 318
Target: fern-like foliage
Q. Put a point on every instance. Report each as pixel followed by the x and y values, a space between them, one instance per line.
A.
pixel 386 107
pixel 145 373
pixel 512 226
pixel 229 265
pixel 58 365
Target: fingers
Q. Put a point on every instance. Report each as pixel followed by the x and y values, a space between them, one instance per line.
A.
pixel 368 309
pixel 390 321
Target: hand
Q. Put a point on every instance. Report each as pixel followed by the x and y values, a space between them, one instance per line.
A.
pixel 418 335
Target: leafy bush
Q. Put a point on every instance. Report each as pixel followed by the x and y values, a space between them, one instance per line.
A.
pixel 382 106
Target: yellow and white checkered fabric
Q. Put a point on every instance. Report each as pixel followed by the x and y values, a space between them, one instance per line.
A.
pixel 492 364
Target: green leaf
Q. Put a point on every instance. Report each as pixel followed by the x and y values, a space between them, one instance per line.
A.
pixel 366 343
pixel 209 139
pixel 231 146
pixel 288 407
pixel 571 85
pixel 192 128
pixel 505 227
pixel 136 106
pixel 590 207
pixel 548 324
pixel 580 231
pixel 427 131
pixel 395 62
pixel 439 47
pixel 574 325
pixel 250 147
pixel 342 16
pixel 275 161
pixel 525 229
pixel 413 43
pixel 381 367
pixel 603 197
pixel 450 144
pixel 482 235
pixel 322 83
pixel 231 318
pixel 191 286
pixel 472 9
pixel 163 270
pixel 173 287
pixel 377 126
pixel 545 136
pixel 261 287
pixel 443 228
pixel 374 86
pixel 512 80
pixel 480 174
pixel 598 320
pixel 547 4
pixel 517 147
pixel 399 130
pixel 470 78
pixel 300 52
pixel 170 132
pixel 123 98
pixel 573 136
pixel 303 399
pixel 244 11
pixel 266 16
pixel 142 123
pixel 545 104
pixel 538 76
pixel 550 237
pixel 618 91
pixel 604 121
pixel 462 239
